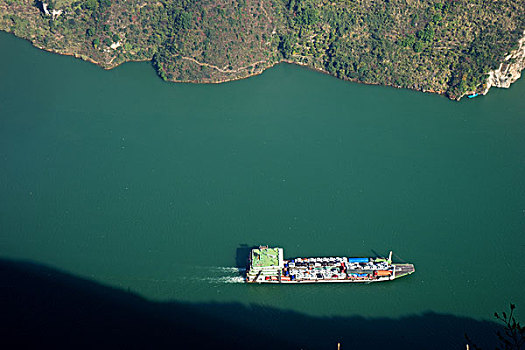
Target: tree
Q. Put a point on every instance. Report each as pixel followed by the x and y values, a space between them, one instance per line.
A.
pixel 105 3
pixel 157 64
pixel 513 336
pixel 286 45
pixel 418 46
pixel 182 20
pixel 90 4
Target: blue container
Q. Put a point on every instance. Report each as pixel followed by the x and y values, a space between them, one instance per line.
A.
pixel 357 260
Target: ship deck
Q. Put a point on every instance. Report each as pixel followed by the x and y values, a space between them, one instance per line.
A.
pixel 404 269
pixel 268 266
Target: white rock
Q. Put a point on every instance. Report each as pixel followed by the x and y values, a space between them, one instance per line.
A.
pixel 115 45
pixel 507 72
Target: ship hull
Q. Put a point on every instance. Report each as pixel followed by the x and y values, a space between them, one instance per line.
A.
pixel 268 266
pixel 405 270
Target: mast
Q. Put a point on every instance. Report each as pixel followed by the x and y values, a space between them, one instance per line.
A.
pixel 394 267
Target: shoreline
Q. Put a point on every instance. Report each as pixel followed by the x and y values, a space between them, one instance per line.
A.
pixel 219 81
pixel 495 78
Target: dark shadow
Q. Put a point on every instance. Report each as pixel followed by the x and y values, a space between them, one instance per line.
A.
pixel 38 4
pixel 377 255
pixel 42 307
pixel 242 256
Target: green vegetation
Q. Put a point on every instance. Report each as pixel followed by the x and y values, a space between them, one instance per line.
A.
pixel 443 46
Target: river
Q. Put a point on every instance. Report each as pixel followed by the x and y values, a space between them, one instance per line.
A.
pixel 151 187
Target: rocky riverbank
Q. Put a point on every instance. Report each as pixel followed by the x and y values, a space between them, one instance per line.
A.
pixel 509 70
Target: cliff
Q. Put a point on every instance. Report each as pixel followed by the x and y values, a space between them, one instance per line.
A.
pixel 509 70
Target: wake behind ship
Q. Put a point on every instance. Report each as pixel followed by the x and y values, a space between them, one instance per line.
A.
pixel 267 265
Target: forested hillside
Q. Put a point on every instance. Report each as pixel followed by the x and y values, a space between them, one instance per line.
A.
pixel 444 46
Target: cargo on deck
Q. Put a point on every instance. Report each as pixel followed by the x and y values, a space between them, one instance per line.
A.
pixel 267 265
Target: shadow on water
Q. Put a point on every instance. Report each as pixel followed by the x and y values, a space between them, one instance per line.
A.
pixel 242 257
pixel 42 307
pixel 242 254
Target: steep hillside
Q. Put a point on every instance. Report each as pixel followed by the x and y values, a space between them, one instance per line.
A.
pixel 443 46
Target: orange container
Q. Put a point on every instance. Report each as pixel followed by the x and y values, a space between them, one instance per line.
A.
pixel 383 273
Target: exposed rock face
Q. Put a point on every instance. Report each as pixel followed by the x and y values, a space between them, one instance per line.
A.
pixel 44 7
pixel 53 13
pixel 510 69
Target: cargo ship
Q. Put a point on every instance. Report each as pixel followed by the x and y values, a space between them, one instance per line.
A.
pixel 267 265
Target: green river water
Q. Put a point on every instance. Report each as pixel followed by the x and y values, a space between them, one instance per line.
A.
pixel 151 187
